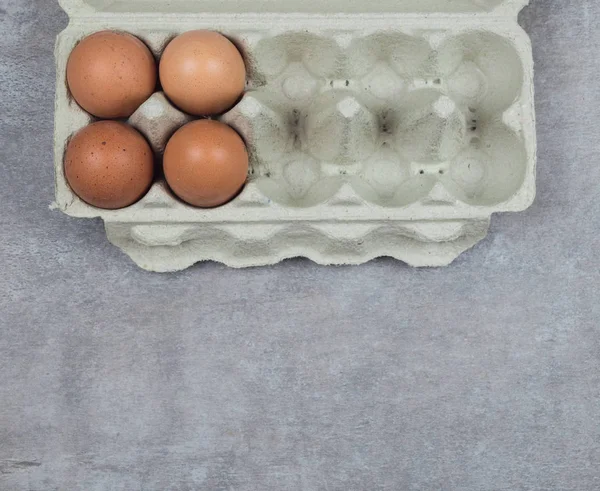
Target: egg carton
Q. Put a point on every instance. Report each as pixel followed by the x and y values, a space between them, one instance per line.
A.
pixel 375 128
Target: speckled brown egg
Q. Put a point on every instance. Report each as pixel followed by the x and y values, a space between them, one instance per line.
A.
pixel 109 165
pixel 206 163
pixel 110 74
pixel 202 72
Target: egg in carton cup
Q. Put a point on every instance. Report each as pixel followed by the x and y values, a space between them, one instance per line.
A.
pixel 389 128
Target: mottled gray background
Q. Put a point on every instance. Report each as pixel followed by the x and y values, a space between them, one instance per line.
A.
pixel 483 376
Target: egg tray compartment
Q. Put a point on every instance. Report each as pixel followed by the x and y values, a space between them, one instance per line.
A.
pixel 373 141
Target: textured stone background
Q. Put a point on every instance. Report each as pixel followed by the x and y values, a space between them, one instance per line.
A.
pixel 484 376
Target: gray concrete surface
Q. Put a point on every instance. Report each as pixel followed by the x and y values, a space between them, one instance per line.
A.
pixel 481 377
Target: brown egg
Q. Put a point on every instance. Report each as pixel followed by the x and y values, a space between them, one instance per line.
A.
pixel 202 72
pixel 109 165
pixel 206 163
pixel 110 74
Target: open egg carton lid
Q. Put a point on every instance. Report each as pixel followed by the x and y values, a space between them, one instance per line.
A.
pixel 353 157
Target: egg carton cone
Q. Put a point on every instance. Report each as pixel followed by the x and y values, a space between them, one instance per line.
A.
pixel 375 128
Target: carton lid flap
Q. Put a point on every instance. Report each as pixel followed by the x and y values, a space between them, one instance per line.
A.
pixel 88 7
